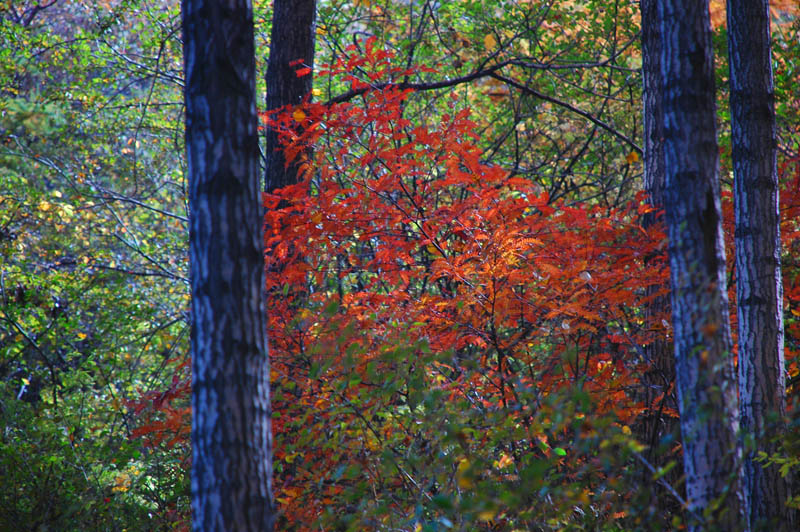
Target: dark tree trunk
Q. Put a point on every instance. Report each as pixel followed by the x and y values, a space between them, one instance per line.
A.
pixel 654 178
pixel 293 32
pixel 659 352
pixel 660 376
pixel 706 381
pixel 231 437
pixel 758 265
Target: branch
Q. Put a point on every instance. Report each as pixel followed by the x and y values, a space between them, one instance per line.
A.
pixel 349 95
pixel 113 196
pixel 31 12
pixel 576 110
pixel 668 487
pixel 488 72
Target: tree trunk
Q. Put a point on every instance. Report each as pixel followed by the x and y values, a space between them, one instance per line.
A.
pixel 654 178
pixel 660 376
pixel 293 32
pixel 758 264
pixel 706 383
pixel 231 437
pixel 659 352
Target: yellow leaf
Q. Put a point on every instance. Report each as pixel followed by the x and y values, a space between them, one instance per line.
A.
pixel 626 430
pixel 298 115
pixel 489 41
pixel 25 381
pixel 463 480
pixel 44 206
pixel 632 157
pixel 316 92
pixel 716 9
pixel 505 460
pixel 122 483
pixel 486 515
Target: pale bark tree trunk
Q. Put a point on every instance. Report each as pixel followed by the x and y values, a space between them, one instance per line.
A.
pixel 706 381
pixel 231 437
pixel 293 39
pixel 758 265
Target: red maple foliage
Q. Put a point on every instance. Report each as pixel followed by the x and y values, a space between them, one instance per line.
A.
pixel 410 283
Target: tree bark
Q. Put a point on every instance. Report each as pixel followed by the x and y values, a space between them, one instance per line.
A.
pixel 660 376
pixel 654 177
pixel 759 291
pixel 704 363
pixel 231 436
pixel 293 39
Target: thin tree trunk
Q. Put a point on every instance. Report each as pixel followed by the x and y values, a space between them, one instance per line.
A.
pixel 293 39
pixel 706 382
pixel 654 177
pixel 231 437
pixel 758 264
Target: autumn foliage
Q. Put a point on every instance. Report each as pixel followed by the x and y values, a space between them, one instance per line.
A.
pixel 450 347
